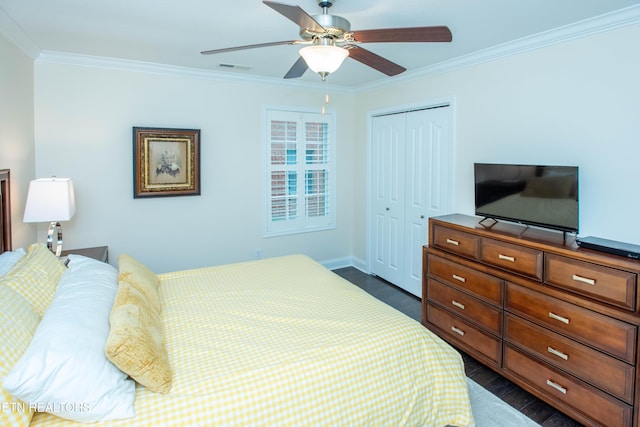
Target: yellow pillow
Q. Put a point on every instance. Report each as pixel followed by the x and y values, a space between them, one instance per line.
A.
pixel 18 322
pixel 140 277
pixel 35 276
pixel 135 342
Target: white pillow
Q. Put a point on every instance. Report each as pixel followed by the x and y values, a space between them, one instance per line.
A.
pixel 64 371
pixel 9 259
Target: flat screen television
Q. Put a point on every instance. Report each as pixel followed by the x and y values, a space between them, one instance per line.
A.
pixel 543 196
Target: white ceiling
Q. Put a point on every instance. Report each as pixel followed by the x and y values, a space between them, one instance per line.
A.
pixel 174 32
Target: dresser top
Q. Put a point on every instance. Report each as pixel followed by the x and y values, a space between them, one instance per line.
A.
pixel 543 239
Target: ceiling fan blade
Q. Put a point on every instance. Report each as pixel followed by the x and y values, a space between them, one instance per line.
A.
pixel 412 34
pixel 297 15
pixel 297 70
pixel 374 61
pixel 250 46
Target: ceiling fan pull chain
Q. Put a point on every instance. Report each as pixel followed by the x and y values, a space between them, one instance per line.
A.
pixel 326 99
pixel 326 102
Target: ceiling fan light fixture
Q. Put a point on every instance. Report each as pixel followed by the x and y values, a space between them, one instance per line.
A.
pixel 324 59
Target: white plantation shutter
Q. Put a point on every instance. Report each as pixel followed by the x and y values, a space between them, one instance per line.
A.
pixel 300 164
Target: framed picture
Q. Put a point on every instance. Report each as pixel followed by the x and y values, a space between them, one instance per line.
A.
pixel 166 162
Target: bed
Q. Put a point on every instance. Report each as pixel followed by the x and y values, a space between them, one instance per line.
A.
pixel 280 341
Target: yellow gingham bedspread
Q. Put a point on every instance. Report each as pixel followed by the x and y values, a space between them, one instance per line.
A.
pixel 286 342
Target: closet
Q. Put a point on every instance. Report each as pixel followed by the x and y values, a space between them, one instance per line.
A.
pixel 411 181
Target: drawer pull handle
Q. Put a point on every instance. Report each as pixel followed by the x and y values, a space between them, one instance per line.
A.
pixel 459 278
pixel 506 258
pixel 584 280
pixel 457 331
pixel 558 353
pixel 453 242
pixel 457 304
pixel 557 387
pixel 559 318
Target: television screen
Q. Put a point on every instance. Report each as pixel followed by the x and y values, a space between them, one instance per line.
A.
pixel 545 196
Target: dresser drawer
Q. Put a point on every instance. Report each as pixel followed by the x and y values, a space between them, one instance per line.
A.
pixel 484 286
pixel 605 372
pixel 465 334
pixel 515 258
pixel 606 284
pixel 596 330
pixel 599 406
pixel 458 242
pixel 466 306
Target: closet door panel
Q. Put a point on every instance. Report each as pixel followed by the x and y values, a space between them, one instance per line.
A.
pixel 427 181
pixel 388 158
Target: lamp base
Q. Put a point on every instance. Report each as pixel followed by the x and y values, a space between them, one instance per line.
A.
pixel 52 228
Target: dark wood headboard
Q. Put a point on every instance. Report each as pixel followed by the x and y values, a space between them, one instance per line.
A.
pixel 5 211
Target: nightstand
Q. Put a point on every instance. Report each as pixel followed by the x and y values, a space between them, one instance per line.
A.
pixel 101 253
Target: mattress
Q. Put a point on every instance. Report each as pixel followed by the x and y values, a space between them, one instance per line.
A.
pixel 286 342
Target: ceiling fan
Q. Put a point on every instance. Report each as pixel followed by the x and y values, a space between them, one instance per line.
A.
pixel 330 40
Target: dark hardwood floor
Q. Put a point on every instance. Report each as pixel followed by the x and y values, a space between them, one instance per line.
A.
pixel 520 399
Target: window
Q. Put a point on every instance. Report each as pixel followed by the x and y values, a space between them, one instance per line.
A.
pixel 300 164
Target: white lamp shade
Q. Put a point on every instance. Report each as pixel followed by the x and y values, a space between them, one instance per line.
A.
pixel 50 199
pixel 323 58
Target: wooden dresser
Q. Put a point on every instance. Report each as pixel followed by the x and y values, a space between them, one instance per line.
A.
pixel 558 320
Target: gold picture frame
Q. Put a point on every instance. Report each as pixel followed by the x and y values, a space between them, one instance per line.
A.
pixel 166 162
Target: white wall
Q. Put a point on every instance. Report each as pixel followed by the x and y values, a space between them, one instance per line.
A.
pixel 575 103
pixel 16 133
pixel 83 129
pixel 571 103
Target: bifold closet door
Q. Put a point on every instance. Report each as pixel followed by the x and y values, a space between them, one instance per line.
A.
pixel 411 173
pixel 388 159
pixel 429 158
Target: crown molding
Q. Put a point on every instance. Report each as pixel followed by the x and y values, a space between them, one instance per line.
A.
pixel 13 32
pixel 587 27
pixel 164 69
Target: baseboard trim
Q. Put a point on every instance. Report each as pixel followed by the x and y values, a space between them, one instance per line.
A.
pixel 336 263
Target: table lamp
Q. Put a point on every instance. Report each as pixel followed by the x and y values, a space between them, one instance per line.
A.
pixel 50 200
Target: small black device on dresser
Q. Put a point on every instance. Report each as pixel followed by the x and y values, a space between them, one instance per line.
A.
pixel 610 246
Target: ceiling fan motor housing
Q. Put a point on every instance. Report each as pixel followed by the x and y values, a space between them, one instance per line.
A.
pixel 335 26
